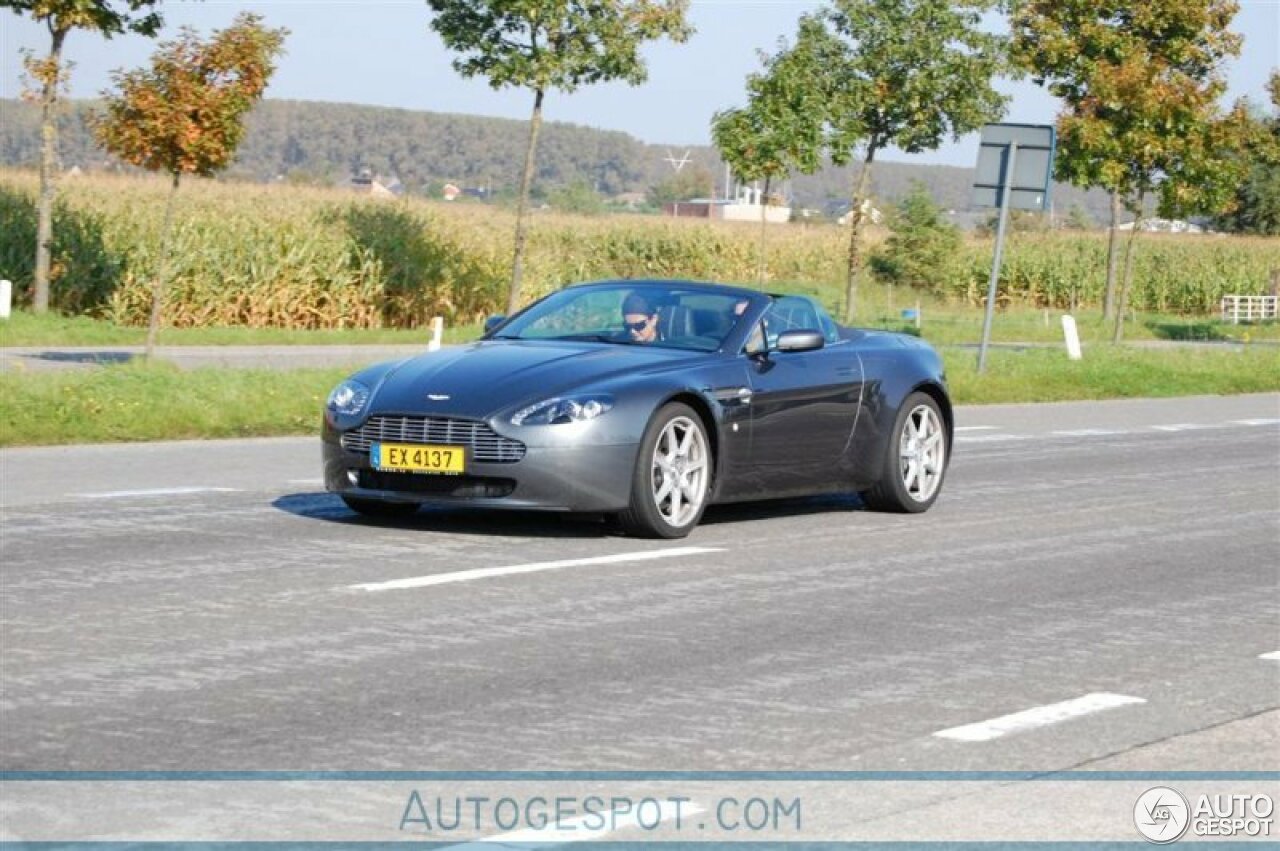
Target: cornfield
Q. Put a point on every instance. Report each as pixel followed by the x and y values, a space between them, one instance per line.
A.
pixel 307 258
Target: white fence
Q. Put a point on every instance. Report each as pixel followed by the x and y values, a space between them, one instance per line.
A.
pixel 1248 308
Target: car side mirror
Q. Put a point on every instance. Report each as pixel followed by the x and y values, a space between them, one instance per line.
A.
pixel 800 341
pixel 493 322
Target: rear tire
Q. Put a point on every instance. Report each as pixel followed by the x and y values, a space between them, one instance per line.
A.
pixel 672 476
pixel 380 508
pixel 915 459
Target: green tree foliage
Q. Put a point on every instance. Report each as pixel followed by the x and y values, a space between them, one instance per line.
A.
pixel 1256 207
pixel 185 113
pixel 901 73
pixel 552 44
pixel 780 128
pixel 924 248
pixel 60 17
pixel 578 197
pixel 692 181
pixel 1140 83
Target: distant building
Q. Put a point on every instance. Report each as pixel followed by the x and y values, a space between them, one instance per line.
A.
pixel 368 183
pixel 1164 226
pixel 746 206
pixel 450 192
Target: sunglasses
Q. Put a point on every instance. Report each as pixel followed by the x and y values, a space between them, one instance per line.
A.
pixel 636 326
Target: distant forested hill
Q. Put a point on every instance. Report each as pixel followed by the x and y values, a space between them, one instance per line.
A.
pixel 331 142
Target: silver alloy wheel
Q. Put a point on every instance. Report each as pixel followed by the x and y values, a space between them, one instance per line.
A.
pixel 680 471
pixel 922 453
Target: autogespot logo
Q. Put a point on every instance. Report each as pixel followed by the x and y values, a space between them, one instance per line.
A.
pixel 1162 815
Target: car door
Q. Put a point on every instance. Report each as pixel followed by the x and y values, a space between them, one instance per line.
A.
pixel 803 404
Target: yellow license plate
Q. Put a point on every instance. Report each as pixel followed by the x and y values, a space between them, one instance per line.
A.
pixel 418 458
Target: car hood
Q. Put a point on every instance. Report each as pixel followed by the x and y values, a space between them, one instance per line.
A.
pixel 480 379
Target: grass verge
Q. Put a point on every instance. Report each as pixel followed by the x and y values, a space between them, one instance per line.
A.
pixel 52 329
pixel 156 401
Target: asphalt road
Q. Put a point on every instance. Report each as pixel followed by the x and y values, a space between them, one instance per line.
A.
pixel 203 605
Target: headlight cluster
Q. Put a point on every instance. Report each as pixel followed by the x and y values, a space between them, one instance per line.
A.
pixel 569 410
pixel 348 398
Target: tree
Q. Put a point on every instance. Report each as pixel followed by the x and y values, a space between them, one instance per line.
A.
pixel 104 17
pixel 924 246
pixel 552 44
pixel 902 73
pixel 185 114
pixel 1140 84
pixel 779 130
pixel 692 181
pixel 1256 206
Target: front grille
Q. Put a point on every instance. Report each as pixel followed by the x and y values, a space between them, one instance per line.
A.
pixel 456 486
pixel 483 443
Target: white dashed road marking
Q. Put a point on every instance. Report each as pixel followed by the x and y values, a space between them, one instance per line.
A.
pixel 151 492
pixel 1256 422
pixel 977 428
pixel 490 572
pixel 1039 716
pixel 1273 656
pixel 1089 432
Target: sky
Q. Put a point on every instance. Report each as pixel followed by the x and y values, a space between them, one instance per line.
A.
pixel 383 52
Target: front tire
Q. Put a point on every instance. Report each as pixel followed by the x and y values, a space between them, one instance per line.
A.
pixel 380 508
pixel 672 476
pixel 915 459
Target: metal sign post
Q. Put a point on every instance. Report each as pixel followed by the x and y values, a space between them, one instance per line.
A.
pixel 1015 168
pixel 995 263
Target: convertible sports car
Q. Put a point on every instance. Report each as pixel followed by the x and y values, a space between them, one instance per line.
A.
pixel 648 399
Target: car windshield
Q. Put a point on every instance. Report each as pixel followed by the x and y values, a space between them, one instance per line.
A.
pixel 632 314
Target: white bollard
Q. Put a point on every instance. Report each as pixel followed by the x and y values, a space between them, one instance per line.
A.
pixel 1073 337
pixel 437 332
pixel 6 299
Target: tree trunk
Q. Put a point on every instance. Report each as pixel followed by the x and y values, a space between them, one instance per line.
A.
pixel 48 171
pixel 1113 254
pixel 764 204
pixel 855 233
pixel 526 181
pixel 1123 305
pixel 162 268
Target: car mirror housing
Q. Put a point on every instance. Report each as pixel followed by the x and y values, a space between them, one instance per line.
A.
pixel 800 341
pixel 493 322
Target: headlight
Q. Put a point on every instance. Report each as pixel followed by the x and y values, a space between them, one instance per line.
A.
pixel 576 409
pixel 348 398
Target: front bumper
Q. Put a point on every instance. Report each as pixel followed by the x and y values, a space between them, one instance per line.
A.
pixel 587 477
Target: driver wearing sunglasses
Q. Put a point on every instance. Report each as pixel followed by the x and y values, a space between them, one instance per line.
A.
pixel 640 319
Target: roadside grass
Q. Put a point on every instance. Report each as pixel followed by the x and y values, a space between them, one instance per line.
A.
pixel 51 329
pixel 942 324
pixel 1109 372
pixel 156 401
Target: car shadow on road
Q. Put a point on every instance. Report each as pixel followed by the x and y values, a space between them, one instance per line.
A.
pixel 526 524
pixel 546 524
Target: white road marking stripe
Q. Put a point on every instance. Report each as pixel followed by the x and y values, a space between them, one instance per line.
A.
pixel 1184 427
pixel 1263 422
pixel 990 438
pixel 1089 432
pixel 1273 656
pixel 977 428
pixel 490 572
pixel 1039 716
pixel 151 492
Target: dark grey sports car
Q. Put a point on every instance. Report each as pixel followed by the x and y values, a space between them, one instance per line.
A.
pixel 648 399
